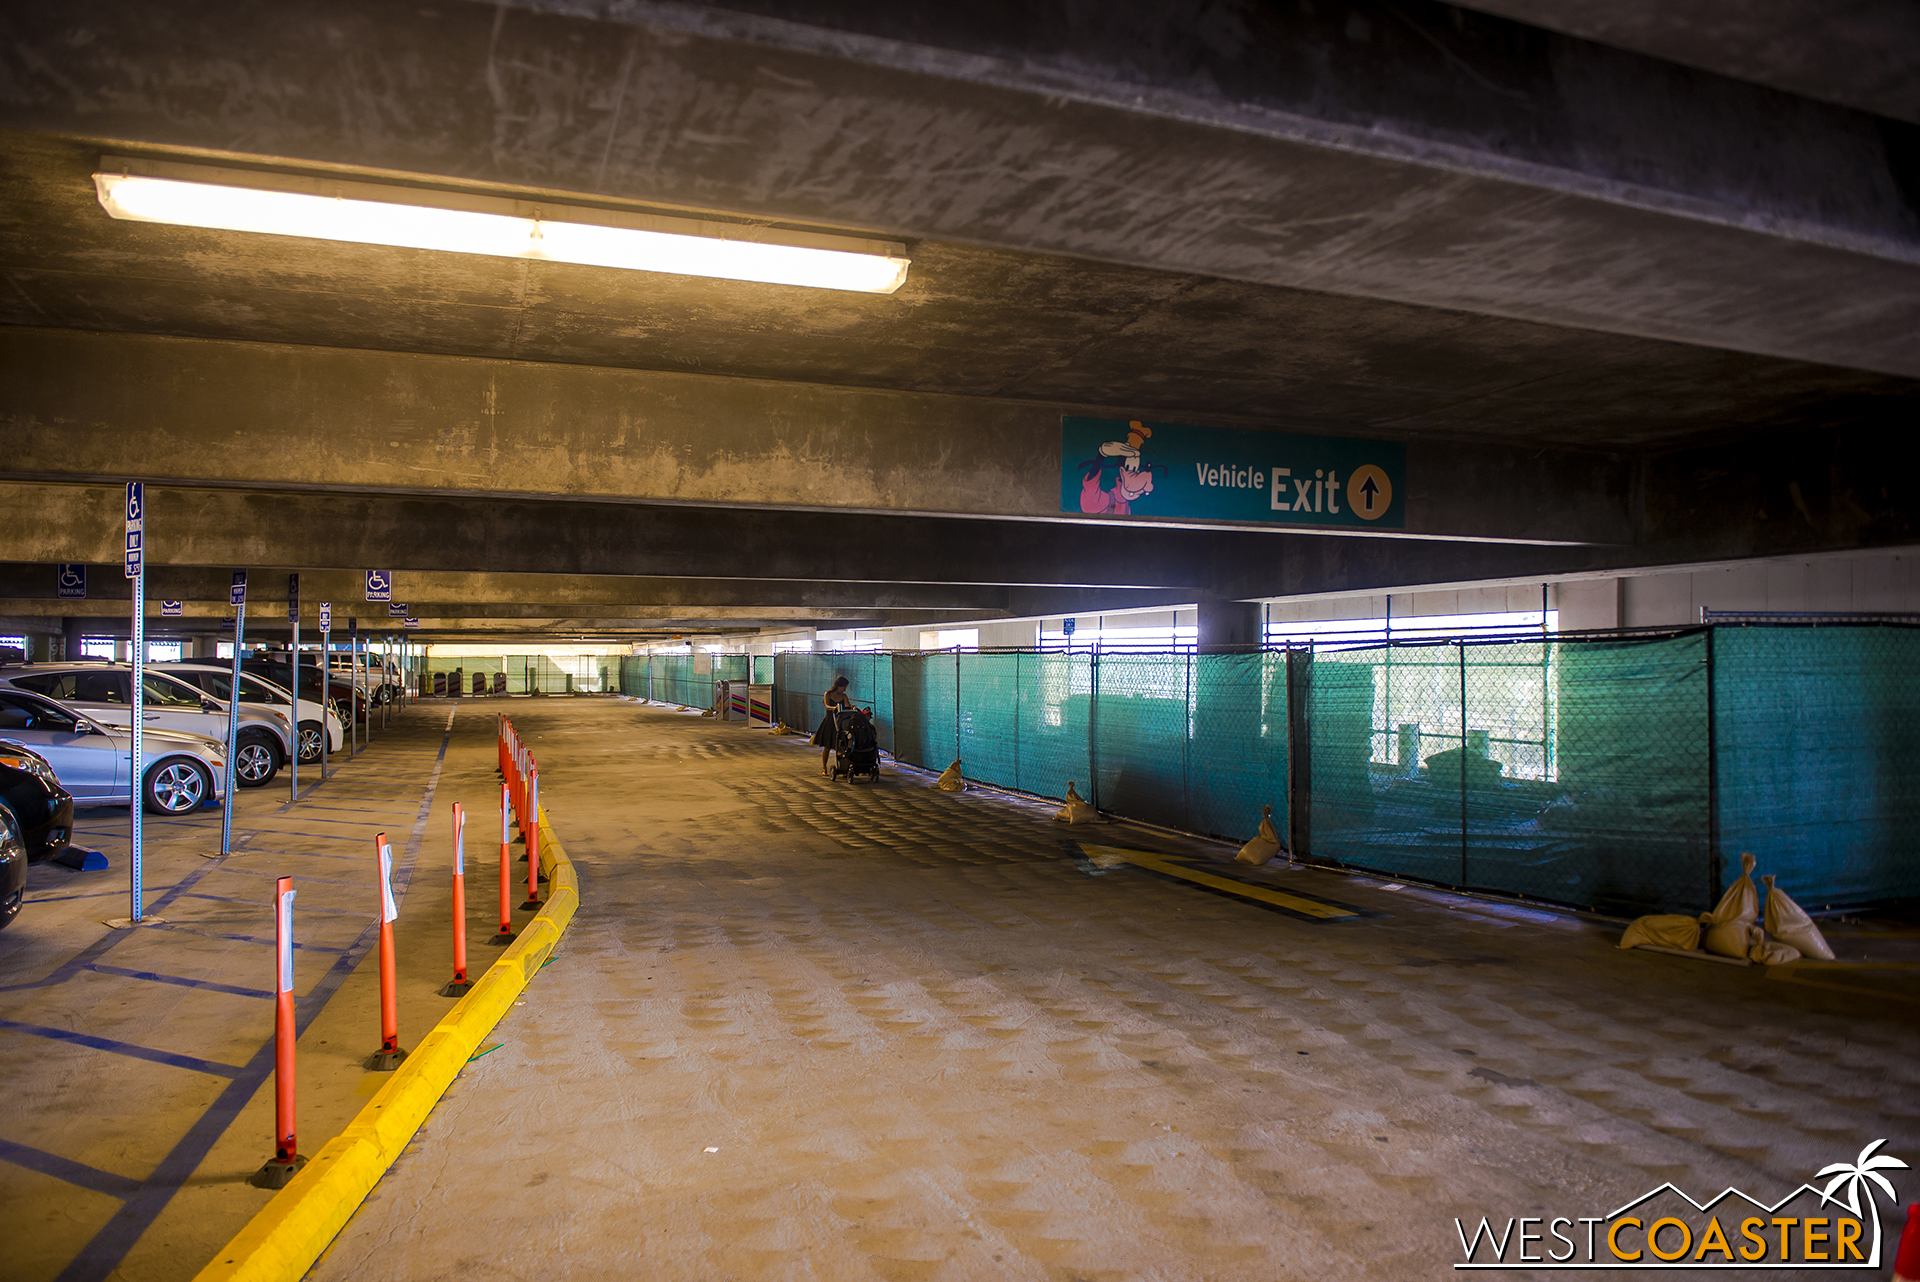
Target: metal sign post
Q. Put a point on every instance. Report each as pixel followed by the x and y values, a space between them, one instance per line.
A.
pixel 293 617
pixel 353 689
pixel 238 599
pixel 137 571
pixel 326 657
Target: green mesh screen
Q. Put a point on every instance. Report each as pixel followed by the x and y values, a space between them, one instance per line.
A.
pixel 1570 771
pixel 1817 733
pixel 1577 771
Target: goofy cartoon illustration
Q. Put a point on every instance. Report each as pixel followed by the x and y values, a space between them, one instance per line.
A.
pixel 1131 481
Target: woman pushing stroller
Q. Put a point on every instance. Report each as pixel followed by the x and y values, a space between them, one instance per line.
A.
pixel 837 700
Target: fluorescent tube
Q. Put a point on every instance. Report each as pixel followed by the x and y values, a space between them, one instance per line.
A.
pixel 503 229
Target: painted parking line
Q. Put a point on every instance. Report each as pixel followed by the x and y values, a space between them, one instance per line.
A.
pixel 1312 908
pixel 88 1040
pixel 154 977
pixel 68 1170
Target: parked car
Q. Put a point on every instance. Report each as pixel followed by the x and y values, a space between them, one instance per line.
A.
pixel 180 770
pixel 30 787
pixel 273 666
pixel 13 866
pixel 103 692
pixel 215 680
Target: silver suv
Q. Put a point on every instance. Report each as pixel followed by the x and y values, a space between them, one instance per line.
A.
pixel 103 693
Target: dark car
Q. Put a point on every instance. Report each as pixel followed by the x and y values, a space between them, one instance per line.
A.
pixel 40 806
pixel 13 866
pixel 273 666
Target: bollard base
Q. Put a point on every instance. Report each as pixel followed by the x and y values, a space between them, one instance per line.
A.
pixel 385 1061
pixel 530 905
pixel 502 940
pixel 277 1174
pixel 456 988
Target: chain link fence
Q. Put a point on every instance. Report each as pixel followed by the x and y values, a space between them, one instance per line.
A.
pixel 1622 773
pixel 685 679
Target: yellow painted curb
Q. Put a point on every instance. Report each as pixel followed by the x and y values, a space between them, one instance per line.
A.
pixel 281 1243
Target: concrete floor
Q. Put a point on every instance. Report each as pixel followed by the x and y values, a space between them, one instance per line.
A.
pixel 139 1063
pixel 813 1031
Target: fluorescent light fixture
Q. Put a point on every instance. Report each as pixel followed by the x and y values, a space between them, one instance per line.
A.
pixel 419 218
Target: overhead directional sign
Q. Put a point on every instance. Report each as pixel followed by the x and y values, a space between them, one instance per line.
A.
pixel 172 609
pixel 136 528
pixel 396 609
pixel 326 616
pixel 238 593
pixel 379 585
pixel 72 582
pixel 293 598
pixel 1131 468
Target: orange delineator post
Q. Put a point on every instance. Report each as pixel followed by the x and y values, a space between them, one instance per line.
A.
pixel 533 840
pixel 389 1055
pixel 459 985
pixel 286 1144
pixel 506 874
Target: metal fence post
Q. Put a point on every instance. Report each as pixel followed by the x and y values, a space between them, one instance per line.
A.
pixel 1713 782
pixel 1463 762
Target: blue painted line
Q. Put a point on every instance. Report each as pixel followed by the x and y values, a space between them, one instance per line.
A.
pixel 254 939
pixel 155 977
pixel 307 880
pixel 68 1170
pixel 268 905
pixel 88 1040
pixel 61 899
pixel 92 952
pixel 102 1256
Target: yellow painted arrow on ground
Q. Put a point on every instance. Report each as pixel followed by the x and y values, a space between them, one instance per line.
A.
pixel 1155 862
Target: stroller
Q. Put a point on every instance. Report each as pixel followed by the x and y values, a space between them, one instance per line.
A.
pixel 856 749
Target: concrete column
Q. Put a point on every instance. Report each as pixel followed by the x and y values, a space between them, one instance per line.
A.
pixel 70 628
pixel 1226 626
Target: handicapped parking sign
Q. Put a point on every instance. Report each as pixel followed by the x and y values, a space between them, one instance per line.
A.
pixel 73 582
pixel 379 585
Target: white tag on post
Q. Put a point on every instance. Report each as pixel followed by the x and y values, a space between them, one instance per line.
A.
pixel 389 911
pixel 286 941
pixel 459 842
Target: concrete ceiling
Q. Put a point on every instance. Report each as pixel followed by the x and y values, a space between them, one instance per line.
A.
pixel 1634 285
pixel 971 321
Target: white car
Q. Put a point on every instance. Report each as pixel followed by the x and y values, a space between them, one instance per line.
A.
pixel 103 693
pixel 215 680
pixel 181 771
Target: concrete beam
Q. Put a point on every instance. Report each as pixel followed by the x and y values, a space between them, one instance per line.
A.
pixel 1394 149
pixel 92 407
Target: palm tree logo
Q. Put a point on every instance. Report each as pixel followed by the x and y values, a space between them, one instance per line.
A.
pixel 1863 1173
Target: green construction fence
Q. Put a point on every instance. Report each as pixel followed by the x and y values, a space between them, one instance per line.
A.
pixel 1615 772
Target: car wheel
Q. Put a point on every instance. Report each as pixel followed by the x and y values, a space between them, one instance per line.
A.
pixel 309 741
pixel 13 855
pixel 256 763
pixel 177 787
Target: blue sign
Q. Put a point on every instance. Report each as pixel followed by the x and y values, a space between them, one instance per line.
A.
pixel 409 623
pixel 396 609
pixel 136 528
pixel 1131 468
pixel 379 585
pixel 1067 626
pixel 172 609
pixel 237 595
pixel 293 598
pixel 326 616
pixel 226 625
pixel 73 582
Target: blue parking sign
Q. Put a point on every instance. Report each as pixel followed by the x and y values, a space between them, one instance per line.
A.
pixel 73 582
pixel 238 593
pixel 136 528
pixel 379 585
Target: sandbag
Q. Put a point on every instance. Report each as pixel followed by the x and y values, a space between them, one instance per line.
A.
pixel 1076 811
pixel 1789 923
pixel 1665 930
pixel 1771 952
pixel 1738 909
pixel 951 780
pixel 1265 844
